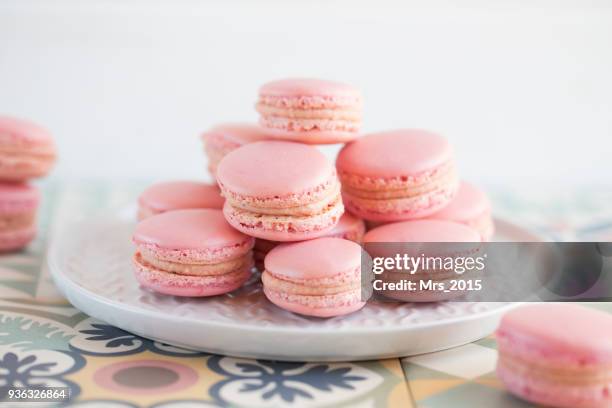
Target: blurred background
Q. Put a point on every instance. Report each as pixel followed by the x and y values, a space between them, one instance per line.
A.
pixel 522 88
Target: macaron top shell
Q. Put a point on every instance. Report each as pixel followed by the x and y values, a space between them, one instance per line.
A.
pixel 296 87
pixel 469 203
pixel 558 330
pixel 204 229
pixel 24 130
pixel 236 133
pixel 274 168
pixel 394 153
pixel 175 195
pixel 15 197
pixel 422 231
pixel 297 261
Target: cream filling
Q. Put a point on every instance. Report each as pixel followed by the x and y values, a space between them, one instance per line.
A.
pixel 312 208
pixel 221 268
pixel 289 223
pixel 339 282
pixel 435 183
pixel 334 114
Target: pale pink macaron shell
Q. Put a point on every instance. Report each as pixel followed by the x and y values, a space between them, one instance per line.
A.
pixel 16 239
pixel 223 138
pixel 328 92
pixel 471 207
pixel 394 163
pixel 229 136
pixel 313 264
pixel 534 333
pixel 18 197
pixel 281 176
pixel 191 236
pixel 394 154
pixel 315 259
pixel 178 195
pixel 422 231
pixel 18 204
pixel 30 149
pixel 309 93
pixel 25 132
pixel 189 286
pixel 582 339
pixel 274 168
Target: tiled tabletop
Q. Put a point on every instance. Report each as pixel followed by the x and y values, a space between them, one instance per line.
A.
pixel 43 340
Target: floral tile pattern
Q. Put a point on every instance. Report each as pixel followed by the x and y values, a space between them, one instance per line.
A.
pixel 44 341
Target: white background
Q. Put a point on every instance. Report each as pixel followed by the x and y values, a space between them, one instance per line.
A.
pixel 523 89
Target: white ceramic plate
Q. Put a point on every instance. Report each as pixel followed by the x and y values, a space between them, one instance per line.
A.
pixel 91 264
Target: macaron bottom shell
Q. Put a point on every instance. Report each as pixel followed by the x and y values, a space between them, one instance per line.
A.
pixel 400 209
pixel 317 306
pixel 175 284
pixel 283 228
pixel 13 240
pixel 313 136
pixel 532 384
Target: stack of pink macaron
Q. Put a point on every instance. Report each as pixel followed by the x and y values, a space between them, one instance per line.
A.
pixel 27 152
pixel 304 214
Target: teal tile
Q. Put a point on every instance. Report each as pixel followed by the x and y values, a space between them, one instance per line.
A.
pixel 487 342
pixel 417 372
pixel 471 395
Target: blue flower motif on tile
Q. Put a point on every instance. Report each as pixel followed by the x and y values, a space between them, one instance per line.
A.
pixel 39 368
pixel 259 382
pixel 116 337
pixel 95 337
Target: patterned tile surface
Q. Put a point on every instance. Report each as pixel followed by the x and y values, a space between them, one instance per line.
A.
pixel 43 340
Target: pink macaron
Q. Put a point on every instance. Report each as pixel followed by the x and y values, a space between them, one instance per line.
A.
pixel 191 253
pixel 26 150
pixel 397 175
pixel 310 111
pixel 178 195
pixel 471 207
pixel 222 139
pixel 18 206
pixel 320 277
pixel 434 238
pixel 349 227
pixel 280 191
pixel 557 355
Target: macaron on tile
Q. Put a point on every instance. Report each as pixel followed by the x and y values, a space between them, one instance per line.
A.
pixel 454 238
pixel 471 207
pixel 223 138
pixel 557 355
pixel 280 191
pixel 192 252
pixel 320 277
pixel 26 150
pixel 178 195
pixel 311 111
pixel 349 227
pixel 397 175
pixel 18 206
